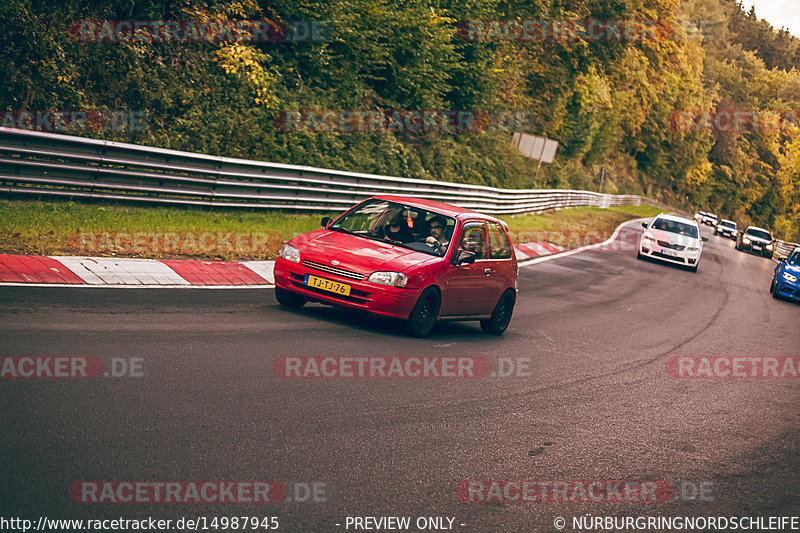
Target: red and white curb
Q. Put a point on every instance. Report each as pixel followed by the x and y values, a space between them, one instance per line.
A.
pixel 530 250
pixel 112 271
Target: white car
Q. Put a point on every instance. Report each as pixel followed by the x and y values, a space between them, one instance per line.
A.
pixel 672 239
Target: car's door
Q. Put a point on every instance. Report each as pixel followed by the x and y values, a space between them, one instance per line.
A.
pixel 467 287
pixel 500 262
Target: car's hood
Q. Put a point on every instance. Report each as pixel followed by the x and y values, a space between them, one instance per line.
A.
pixel 792 269
pixel 757 239
pixel 355 253
pixel 673 238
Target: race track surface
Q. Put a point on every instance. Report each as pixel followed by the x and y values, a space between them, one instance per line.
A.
pixel 595 329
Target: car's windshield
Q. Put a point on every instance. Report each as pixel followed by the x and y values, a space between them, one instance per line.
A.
pixel 674 226
pixel 795 259
pixel 760 234
pixel 727 223
pixel 399 224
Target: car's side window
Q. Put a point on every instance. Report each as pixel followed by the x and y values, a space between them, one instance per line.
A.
pixel 473 239
pixel 499 247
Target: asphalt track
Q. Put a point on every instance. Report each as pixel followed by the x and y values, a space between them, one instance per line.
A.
pixel 597 327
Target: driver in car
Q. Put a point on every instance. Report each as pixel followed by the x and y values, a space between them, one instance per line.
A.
pixel 437 238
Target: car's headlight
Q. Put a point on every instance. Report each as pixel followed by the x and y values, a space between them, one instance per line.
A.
pixel 746 240
pixel 395 279
pixel 769 246
pixel 789 277
pixel 734 233
pixel 290 253
pixel 692 249
pixel 649 238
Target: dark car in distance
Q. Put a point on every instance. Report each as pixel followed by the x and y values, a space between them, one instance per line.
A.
pixel 756 240
pixel 726 228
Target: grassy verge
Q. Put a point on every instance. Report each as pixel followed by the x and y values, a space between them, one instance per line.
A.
pixel 66 228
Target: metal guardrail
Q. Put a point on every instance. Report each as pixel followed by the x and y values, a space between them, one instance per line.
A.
pixel 783 248
pixel 33 162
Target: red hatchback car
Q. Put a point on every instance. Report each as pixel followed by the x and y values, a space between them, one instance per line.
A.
pixel 412 259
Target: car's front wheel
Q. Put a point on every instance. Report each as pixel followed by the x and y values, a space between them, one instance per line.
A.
pixel 423 316
pixel 289 298
pixel 501 316
pixel 774 289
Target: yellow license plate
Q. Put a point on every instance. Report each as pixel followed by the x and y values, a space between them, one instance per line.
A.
pixel 327 285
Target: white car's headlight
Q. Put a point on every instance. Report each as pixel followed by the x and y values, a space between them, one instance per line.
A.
pixel 769 247
pixel 692 249
pixel 789 277
pixel 290 253
pixel 395 279
pixel 746 240
pixel 649 238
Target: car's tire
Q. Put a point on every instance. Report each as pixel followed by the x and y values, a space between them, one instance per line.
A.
pixel 772 285
pixel 423 317
pixel 694 268
pixel 289 298
pixel 501 315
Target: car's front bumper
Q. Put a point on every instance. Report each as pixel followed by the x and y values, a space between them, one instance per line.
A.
pixel 678 257
pixel 788 289
pixel 380 299
pixel 756 248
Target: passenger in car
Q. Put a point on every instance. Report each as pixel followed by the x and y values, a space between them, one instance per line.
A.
pixel 396 229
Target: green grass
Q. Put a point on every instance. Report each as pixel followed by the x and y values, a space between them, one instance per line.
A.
pixel 68 228
pixel 580 218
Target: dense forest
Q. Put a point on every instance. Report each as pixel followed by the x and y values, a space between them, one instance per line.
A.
pixel 695 106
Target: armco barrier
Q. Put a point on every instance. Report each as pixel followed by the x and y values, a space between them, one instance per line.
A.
pixel 783 248
pixel 38 163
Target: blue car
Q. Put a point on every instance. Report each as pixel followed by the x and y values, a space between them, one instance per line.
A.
pixel 786 281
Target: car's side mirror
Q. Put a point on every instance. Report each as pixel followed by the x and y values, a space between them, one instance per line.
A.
pixel 644 225
pixel 465 257
pixel 326 221
pixel 705 239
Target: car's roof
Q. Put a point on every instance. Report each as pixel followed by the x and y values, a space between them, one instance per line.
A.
pixel 445 209
pixel 757 228
pixel 676 218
